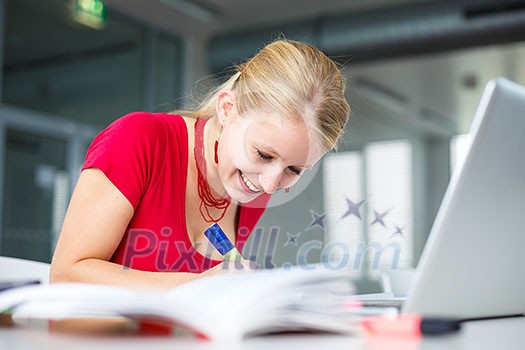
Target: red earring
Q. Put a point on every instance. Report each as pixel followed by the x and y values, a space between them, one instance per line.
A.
pixel 287 189
pixel 216 147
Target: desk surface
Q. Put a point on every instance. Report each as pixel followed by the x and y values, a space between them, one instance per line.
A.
pixel 502 333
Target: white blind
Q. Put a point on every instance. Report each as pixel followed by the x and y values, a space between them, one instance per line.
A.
pixel 385 184
pixel 389 193
pixel 342 180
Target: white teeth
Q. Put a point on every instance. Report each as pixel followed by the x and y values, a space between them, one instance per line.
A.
pixel 249 183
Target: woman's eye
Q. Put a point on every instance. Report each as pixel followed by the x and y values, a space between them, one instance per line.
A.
pixel 266 157
pixel 294 170
pixel 263 155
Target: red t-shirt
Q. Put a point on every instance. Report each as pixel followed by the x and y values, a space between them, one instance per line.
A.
pixel 145 155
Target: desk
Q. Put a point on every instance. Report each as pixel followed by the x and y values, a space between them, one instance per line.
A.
pixel 493 334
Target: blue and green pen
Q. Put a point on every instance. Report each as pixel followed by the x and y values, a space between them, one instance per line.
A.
pixel 220 241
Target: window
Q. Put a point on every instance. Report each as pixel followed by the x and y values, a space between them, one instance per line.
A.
pixel 64 69
pixel 368 199
pixel 168 75
pixel 35 185
pixel 389 197
pixel 61 83
pixel 342 180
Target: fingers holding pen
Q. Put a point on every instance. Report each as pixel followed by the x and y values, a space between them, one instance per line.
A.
pixel 232 266
pixel 241 265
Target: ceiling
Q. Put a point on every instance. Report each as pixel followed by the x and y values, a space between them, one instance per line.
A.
pixel 39 31
pixel 435 93
pixel 229 15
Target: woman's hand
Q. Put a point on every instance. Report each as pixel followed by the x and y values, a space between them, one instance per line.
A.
pixel 232 267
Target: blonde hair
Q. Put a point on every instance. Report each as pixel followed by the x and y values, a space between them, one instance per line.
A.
pixel 295 80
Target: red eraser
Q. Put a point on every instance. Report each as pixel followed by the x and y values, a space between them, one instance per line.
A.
pixel 405 324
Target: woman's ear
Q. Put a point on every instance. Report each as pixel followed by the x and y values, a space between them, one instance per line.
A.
pixel 224 105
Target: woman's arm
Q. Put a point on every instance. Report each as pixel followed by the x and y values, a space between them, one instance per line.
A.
pixel 96 219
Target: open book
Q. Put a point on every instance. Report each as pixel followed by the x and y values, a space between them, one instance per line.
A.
pixel 222 307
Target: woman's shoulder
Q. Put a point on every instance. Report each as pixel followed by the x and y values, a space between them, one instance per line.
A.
pixel 155 119
pixel 146 124
pixel 143 129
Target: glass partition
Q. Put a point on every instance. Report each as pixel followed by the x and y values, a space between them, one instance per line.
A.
pixel 55 65
pixel 36 188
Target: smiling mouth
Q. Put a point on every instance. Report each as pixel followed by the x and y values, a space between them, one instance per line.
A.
pixel 249 184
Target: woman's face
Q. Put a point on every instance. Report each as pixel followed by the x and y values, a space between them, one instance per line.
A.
pixel 259 153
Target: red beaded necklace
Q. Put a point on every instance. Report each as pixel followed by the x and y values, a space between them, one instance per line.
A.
pixel 208 200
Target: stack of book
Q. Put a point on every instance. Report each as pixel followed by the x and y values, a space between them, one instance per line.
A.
pixel 222 307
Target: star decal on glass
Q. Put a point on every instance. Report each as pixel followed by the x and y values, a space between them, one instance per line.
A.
pixel 379 218
pixel 398 231
pixel 292 239
pixel 318 220
pixel 353 209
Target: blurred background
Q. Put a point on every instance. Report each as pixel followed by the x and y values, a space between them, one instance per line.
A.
pixel 415 72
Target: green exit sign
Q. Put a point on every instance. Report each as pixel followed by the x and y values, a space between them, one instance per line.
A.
pixel 92 13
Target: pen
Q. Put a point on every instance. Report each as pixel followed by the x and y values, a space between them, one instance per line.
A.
pixel 220 241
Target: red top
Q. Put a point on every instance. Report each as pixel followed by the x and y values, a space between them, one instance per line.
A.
pixel 145 155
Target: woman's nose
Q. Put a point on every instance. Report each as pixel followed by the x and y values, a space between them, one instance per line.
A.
pixel 270 181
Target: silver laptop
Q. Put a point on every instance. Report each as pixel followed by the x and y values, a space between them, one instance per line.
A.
pixel 473 264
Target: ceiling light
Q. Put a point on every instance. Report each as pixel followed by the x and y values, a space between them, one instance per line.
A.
pixel 91 13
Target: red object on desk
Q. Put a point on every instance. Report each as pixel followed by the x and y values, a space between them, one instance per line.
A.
pixel 398 325
pixel 409 325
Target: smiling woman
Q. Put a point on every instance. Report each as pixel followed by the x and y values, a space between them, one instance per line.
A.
pixel 153 182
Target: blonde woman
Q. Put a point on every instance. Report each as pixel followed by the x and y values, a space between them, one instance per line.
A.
pixel 152 183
